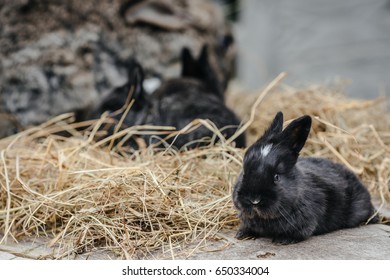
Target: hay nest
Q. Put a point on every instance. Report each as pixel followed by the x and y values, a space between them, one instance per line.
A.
pixel 84 194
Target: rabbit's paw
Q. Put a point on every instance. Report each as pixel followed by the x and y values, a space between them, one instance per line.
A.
pixel 285 240
pixel 245 234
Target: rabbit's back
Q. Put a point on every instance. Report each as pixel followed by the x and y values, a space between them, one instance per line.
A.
pixel 343 201
pixel 180 101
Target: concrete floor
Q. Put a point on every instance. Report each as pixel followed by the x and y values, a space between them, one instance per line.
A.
pixel 370 242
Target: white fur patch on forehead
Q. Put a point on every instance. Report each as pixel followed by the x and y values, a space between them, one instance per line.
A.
pixel 264 151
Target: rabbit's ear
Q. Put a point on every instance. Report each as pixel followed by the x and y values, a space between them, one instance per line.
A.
pixel 190 67
pixel 296 133
pixel 276 126
pixel 136 79
pixel 195 68
pixel 204 56
pixel 208 74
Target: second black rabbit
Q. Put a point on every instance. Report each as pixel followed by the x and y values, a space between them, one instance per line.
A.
pixel 197 94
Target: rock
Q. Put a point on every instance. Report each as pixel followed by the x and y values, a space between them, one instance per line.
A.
pixel 63 56
pixel 8 125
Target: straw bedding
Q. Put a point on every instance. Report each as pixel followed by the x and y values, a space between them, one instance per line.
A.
pixel 85 194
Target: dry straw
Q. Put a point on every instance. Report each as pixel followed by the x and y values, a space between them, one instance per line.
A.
pixel 157 202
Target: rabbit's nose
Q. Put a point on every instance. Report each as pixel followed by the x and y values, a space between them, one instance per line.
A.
pixel 255 201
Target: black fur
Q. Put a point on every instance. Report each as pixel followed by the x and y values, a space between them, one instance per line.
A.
pixel 198 94
pixel 200 69
pixel 116 103
pixel 291 198
pixel 177 102
pixel 121 96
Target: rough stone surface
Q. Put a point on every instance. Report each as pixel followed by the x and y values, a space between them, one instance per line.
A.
pixel 59 56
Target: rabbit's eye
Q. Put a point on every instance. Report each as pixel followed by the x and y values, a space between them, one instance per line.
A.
pixel 276 178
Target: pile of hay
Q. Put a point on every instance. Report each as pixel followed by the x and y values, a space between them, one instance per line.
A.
pixel 82 194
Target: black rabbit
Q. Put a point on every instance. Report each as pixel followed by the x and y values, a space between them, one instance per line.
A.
pixel 201 70
pixel 197 94
pixel 116 102
pixel 291 198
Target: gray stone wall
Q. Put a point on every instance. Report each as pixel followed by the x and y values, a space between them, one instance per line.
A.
pixel 59 56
